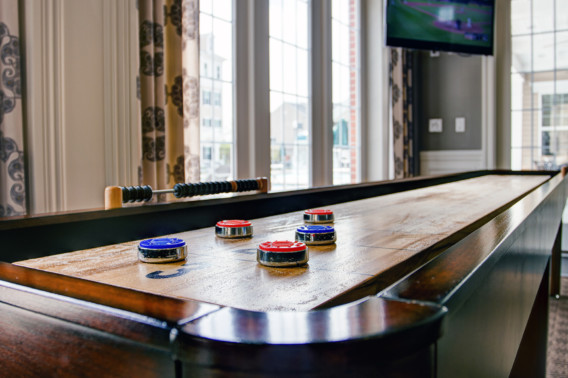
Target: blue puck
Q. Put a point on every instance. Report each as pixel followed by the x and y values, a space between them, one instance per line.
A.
pixel 316 235
pixel 162 250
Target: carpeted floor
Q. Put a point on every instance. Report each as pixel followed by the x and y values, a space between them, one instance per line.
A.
pixel 557 354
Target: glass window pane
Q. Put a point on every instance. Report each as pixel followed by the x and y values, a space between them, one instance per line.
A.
pixel 222 9
pixel 275 19
pixel 289 94
pixel 205 7
pixel 561 15
pixel 562 50
pixel 526 138
pixel 289 68
pixel 302 73
pixel 543 16
pixel 543 52
pixel 345 91
pixel 302 23
pixel 520 17
pixel 289 21
pixel 222 47
pixel 216 86
pixel 522 54
pixel 276 74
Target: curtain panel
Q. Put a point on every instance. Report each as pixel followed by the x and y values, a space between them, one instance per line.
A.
pixel 12 185
pixel 402 120
pixel 169 91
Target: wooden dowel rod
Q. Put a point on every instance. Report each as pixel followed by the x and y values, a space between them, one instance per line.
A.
pixel 113 197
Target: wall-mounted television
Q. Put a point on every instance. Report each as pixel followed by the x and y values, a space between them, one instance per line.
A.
pixel 463 26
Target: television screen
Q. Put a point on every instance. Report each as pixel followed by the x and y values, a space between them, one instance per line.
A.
pixel 464 26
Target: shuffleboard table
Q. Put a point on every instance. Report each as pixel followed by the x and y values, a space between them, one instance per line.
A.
pixel 438 276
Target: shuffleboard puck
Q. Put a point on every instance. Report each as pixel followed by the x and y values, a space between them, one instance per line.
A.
pixel 282 254
pixel 316 235
pixel 318 216
pixel 162 250
pixel 232 229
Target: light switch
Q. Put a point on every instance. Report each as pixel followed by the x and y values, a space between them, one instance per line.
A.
pixel 435 125
pixel 460 125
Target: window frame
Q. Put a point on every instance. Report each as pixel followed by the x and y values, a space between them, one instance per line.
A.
pixel 251 92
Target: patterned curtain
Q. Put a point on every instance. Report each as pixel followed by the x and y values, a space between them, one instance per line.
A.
pixel 12 186
pixel 169 91
pixel 401 112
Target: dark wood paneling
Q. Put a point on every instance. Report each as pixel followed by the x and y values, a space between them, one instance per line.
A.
pixel 34 345
pixel 489 282
pixel 531 356
pixel 166 309
pixel 374 336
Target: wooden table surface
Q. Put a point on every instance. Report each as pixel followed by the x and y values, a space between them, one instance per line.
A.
pixel 375 237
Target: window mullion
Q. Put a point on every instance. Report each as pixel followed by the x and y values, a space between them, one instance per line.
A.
pixel 252 105
pixel 321 157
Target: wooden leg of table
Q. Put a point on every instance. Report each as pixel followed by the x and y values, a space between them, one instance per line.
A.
pixel 556 264
pixel 531 356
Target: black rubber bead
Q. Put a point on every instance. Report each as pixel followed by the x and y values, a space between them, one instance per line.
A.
pixel 139 193
pixel 178 190
pixel 125 195
pixel 131 194
pixel 147 193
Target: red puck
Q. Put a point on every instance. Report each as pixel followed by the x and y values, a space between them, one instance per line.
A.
pixel 319 211
pixel 233 229
pixel 318 216
pixel 282 253
pixel 233 223
pixel 282 246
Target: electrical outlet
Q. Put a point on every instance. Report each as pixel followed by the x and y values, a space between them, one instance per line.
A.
pixel 435 125
pixel 460 125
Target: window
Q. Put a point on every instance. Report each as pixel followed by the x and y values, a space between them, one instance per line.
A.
pixel 289 94
pixel 307 126
pixel 206 152
pixel 539 84
pixel 216 56
pixel 206 98
pixel 346 92
pixel 216 99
